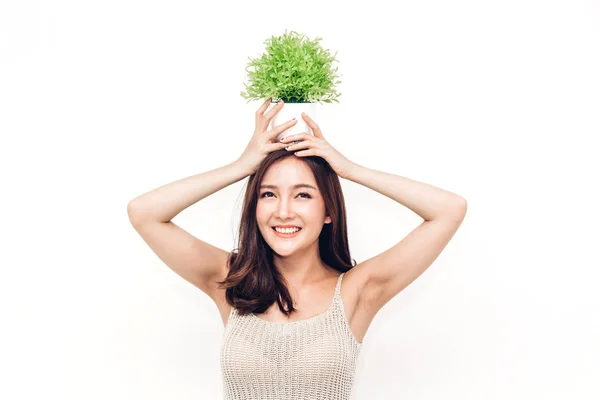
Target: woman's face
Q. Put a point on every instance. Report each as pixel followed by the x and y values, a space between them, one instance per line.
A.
pixel 279 203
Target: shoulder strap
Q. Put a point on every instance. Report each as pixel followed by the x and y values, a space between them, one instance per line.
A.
pixel 339 284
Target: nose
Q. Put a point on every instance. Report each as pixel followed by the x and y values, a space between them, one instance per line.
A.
pixel 284 210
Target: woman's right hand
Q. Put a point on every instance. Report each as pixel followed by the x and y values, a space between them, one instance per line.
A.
pixel 262 143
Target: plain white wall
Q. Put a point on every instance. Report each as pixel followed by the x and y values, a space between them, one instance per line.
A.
pixel 496 101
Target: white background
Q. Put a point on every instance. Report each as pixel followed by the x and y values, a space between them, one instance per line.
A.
pixel 498 102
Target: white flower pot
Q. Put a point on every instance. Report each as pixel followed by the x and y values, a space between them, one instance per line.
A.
pixel 289 111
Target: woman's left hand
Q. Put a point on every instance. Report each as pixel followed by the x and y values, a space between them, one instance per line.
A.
pixel 317 146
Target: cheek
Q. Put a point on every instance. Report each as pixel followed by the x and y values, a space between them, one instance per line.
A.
pixel 262 212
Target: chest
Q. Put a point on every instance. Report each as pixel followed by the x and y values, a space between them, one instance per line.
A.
pixel 248 345
pixel 307 306
pixel 311 355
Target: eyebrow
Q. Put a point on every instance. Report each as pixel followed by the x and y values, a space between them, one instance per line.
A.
pixel 300 185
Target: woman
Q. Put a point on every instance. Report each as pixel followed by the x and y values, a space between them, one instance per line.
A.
pixel 292 330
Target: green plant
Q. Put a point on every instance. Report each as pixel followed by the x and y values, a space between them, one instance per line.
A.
pixel 293 69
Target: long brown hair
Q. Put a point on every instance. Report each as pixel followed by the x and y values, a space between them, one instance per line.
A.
pixel 253 282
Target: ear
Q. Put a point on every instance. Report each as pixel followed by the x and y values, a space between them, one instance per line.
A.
pixel 328 220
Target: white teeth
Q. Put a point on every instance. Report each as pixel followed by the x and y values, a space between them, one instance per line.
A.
pixel 287 230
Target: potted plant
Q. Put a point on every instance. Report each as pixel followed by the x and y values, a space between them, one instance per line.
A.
pixel 296 70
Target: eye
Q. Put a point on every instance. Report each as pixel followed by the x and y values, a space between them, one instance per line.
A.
pixel 308 196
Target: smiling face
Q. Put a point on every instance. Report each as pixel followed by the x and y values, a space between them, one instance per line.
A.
pixel 281 203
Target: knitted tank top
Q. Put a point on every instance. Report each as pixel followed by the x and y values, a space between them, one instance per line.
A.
pixel 313 358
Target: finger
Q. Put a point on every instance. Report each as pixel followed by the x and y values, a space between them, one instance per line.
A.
pixel 280 128
pixel 263 120
pixel 315 128
pixel 304 153
pixel 296 145
pixel 298 136
pixel 274 110
pixel 275 146
pixel 264 106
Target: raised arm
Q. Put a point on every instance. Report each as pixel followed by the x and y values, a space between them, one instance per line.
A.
pixel 196 261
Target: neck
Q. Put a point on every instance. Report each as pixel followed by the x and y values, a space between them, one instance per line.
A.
pixel 302 271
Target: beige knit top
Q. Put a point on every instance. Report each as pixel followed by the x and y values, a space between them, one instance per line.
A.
pixel 313 358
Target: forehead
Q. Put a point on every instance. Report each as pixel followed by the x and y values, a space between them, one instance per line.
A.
pixel 288 172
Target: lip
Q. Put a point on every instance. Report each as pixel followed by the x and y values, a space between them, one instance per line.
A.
pixel 285 236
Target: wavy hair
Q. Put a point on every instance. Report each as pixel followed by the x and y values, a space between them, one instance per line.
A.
pixel 253 283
